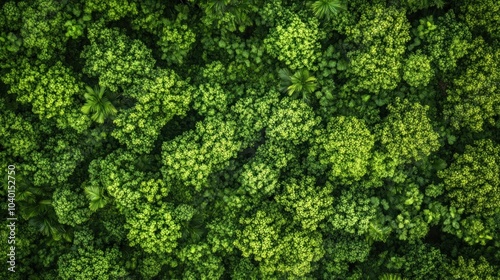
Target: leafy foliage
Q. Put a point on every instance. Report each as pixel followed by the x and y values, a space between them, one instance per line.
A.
pixel 299 82
pixel 407 125
pixel 96 197
pixel 473 101
pixel 117 60
pixel 308 204
pixel 380 36
pixel 42 29
pixel 98 104
pixel 70 206
pixel 472 179
pixel 472 269
pixel 449 42
pixel 111 10
pixel 346 148
pixel 295 43
pixel 158 99
pixel 292 120
pixel 48 89
pixel 326 8
pixel 176 39
pixel 251 139
pixel 229 14
pixel 482 15
pixel 417 70
pixel 90 261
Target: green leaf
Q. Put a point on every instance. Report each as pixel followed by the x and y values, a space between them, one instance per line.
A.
pixel 409 201
pixel 451 139
pixel 93 193
pixel 98 104
pixel 342 65
pixel 327 8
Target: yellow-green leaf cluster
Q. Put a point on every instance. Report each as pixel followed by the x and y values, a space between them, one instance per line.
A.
pixel 407 133
pixel 346 146
pixel 380 37
pixel 295 43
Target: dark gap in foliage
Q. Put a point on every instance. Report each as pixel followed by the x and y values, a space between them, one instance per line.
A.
pixel 434 236
pixel 249 152
pixel 148 39
pixel 453 246
pixel 226 177
pixel 353 267
pixel 72 58
pixel 180 124
pixel 11 103
pixel 151 41
pixel 383 112
pixel 170 12
pixel 124 24
pixel 191 61
pixel 148 163
pixel 121 101
pixel 80 173
pixel 321 180
pixel 195 229
pixel 92 148
pixel 175 127
pixel 490 131
pixel 434 11
pixel 441 88
pixel 248 33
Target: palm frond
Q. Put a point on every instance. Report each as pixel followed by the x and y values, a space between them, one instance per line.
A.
pixel 301 82
pixel 93 192
pixel 218 6
pixel 96 196
pixel 46 224
pixel 284 74
pixel 390 276
pixel 286 81
pixel 98 104
pixel 327 8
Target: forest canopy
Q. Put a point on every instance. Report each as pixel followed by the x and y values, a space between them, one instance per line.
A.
pixel 250 139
